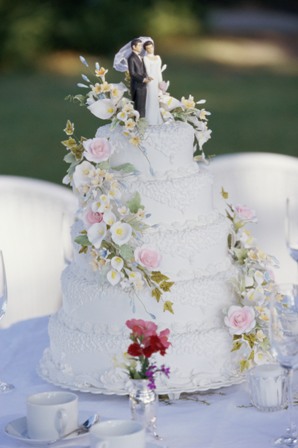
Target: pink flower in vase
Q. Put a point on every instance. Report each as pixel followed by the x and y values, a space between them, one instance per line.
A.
pixel 140 327
pixel 145 341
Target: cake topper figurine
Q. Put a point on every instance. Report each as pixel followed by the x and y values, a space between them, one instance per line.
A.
pixel 138 77
pixel 153 68
pixel 145 75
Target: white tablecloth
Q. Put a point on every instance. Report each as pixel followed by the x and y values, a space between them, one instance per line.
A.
pixel 219 419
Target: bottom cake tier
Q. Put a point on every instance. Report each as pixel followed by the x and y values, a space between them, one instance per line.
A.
pixel 84 346
pixel 198 360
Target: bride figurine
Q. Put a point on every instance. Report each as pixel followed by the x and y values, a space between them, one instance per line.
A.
pixel 153 68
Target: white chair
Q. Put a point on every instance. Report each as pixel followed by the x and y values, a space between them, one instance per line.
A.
pixel 261 181
pixel 31 239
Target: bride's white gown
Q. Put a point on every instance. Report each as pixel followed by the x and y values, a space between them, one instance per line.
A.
pixel 153 68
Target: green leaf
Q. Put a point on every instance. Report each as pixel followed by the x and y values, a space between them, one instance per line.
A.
pixel 69 143
pixel 158 277
pixel 77 98
pixel 224 193
pixel 126 168
pixel 166 286
pixel 168 306
pixel 126 252
pixel 251 339
pixel 69 158
pixel 156 293
pixel 104 165
pixel 139 226
pixel 244 364
pixel 236 346
pixel 251 356
pixel 134 204
pixel 82 240
pixel 229 241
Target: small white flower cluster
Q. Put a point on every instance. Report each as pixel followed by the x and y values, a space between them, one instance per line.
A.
pixel 248 320
pixel 107 102
pixel 113 220
pixel 111 229
pixel 186 110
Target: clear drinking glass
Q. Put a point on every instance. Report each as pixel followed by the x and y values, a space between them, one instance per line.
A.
pixel 4 387
pixel 284 343
pixel 292 226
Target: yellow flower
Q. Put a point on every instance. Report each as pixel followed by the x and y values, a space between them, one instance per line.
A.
pixel 105 87
pixel 130 124
pixel 141 213
pixel 96 89
pixel 202 114
pixel 100 73
pixel 128 107
pixel 260 335
pixel 135 140
pixel 263 313
pixel 252 255
pixel 69 129
pixel 188 103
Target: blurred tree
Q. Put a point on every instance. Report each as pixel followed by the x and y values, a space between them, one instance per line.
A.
pixel 25 31
pixel 29 29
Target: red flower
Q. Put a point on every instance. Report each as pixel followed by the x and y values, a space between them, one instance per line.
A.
pixel 156 344
pixel 135 349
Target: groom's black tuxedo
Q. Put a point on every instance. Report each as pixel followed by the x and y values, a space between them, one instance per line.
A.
pixel 138 87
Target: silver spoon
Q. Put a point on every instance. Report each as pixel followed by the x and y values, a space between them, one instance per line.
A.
pixel 81 429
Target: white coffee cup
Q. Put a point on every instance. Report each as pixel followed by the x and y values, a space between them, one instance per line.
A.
pixel 50 415
pixel 118 434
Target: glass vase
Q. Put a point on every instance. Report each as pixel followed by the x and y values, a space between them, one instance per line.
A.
pixel 144 404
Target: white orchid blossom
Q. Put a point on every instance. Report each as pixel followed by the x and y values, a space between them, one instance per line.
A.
pixel 113 277
pixel 103 109
pixel 96 234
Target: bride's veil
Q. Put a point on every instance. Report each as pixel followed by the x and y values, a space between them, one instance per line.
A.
pixel 120 59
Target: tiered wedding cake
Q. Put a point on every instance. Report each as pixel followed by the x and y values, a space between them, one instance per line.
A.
pixel 89 330
pixel 148 243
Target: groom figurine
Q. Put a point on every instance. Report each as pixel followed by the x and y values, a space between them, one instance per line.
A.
pixel 138 77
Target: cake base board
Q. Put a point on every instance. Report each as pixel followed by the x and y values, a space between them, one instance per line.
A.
pixel 53 376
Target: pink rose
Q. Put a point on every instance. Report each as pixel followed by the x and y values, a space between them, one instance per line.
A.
pixel 97 149
pixel 92 217
pixel 245 213
pixel 240 319
pixel 147 257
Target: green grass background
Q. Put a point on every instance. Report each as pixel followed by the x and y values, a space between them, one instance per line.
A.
pixel 252 110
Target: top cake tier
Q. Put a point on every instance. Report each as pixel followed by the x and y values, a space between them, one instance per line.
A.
pixel 164 148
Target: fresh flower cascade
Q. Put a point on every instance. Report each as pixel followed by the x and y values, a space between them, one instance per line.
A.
pixel 107 101
pixel 248 321
pixel 145 342
pixel 113 224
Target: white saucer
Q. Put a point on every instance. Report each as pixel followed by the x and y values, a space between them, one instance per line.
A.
pixel 17 429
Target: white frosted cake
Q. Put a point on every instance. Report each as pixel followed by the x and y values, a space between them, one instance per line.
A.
pixel 191 236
